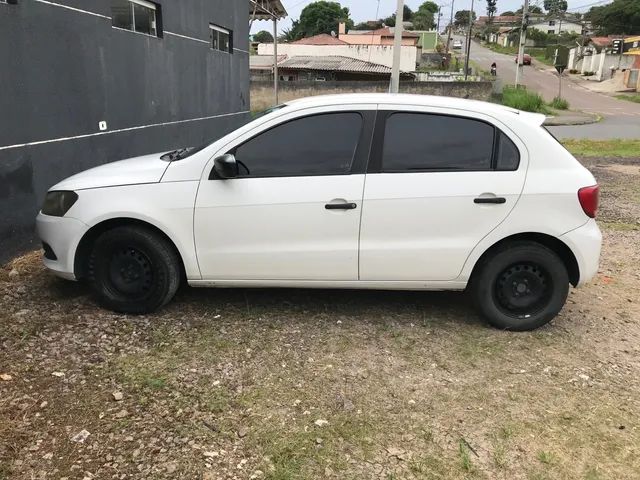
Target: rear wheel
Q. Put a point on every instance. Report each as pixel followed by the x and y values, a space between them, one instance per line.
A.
pixel 521 286
pixel 133 270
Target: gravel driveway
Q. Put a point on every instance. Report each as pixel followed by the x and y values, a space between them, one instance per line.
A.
pixel 288 384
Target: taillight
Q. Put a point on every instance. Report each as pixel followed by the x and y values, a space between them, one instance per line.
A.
pixel 589 197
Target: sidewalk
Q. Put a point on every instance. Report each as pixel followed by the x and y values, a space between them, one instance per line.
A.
pixel 569 117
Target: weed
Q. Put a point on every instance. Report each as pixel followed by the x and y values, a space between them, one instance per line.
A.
pixel 523 99
pixel 547 458
pixel 559 103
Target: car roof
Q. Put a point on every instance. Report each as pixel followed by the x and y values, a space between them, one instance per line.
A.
pixel 418 100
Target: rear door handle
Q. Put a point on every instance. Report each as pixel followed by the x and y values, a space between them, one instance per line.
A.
pixel 340 206
pixel 490 200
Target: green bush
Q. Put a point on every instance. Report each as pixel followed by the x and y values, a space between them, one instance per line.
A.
pixel 559 103
pixel 588 74
pixel 573 71
pixel 522 99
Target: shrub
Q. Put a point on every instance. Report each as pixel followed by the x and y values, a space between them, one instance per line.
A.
pixel 559 103
pixel 588 74
pixel 522 99
pixel 573 71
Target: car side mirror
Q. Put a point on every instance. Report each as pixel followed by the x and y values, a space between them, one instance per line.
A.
pixel 224 167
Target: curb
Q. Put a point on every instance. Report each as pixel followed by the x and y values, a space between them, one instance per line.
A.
pixel 557 121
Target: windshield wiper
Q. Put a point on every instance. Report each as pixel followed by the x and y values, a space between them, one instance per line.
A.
pixel 175 154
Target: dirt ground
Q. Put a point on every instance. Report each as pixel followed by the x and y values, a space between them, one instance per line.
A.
pixel 297 384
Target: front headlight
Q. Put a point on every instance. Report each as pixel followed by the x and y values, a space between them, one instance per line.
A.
pixel 57 204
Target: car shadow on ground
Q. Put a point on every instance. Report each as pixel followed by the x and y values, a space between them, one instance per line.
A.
pixel 297 305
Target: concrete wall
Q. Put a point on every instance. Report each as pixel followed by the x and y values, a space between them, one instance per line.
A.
pixel 381 54
pixel 64 70
pixel 262 92
pixel 599 63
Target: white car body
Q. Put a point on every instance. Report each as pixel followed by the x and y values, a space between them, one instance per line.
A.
pixel 414 231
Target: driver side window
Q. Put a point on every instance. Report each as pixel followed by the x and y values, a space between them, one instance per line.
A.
pixel 323 144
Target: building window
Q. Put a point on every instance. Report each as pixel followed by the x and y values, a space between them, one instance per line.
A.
pixel 552 23
pixel 138 16
pixel 550 32
pixel 221 39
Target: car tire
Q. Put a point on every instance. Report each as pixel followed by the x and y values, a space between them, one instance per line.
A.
pixel 521 286
pixel 133 270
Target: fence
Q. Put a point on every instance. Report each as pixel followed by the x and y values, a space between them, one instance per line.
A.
pixel 262 92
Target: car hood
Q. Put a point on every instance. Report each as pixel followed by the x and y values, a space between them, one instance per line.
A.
pixel 133 171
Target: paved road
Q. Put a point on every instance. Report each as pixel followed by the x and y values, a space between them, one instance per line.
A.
pixel 621 119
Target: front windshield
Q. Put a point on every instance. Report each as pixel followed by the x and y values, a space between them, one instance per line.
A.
pixel 187 152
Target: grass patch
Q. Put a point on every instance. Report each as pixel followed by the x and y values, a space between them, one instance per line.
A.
pixel 630 98
pixel 522 99
pixel 620 226
pixel 500 49
pixel 559 103
pixel 617 148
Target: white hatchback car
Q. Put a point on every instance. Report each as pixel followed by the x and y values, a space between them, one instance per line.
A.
pixel 370 191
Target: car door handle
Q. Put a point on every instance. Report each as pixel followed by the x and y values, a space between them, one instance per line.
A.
pixel 490 200
pixel 340 206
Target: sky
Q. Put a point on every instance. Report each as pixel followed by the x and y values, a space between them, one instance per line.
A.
pixel 362 10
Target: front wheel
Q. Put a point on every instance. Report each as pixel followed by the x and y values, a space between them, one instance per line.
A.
pixel 133 270
pixel 520 287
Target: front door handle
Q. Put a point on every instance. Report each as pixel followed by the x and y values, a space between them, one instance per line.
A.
pixel 340 206
pixel 490 200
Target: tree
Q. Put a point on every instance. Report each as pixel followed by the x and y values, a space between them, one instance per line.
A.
pixel 320 17
pixel 618 17
pixel 263 37
pixel 491 9
pixel 509 13
pixel 370 25
pixel 407 16
pixel 555 7
pixel 461 18
pixel 423 18
pixel 532 9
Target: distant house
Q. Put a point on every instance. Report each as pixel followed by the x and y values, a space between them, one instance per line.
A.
pixel 427 40
pixel 499 20
pixel 557 25
pixel 332 68
pixel 381 36
pixel 261 66
pixel 327 45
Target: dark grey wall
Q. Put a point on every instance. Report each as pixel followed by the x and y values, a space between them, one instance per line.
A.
pixel 63 71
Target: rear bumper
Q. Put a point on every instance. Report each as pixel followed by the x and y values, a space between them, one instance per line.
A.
pixel 585 242
pixel 63 235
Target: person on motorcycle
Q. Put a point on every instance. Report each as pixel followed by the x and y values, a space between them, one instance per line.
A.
pixel 494 69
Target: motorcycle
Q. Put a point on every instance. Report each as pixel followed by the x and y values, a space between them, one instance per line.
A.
pixel 494 71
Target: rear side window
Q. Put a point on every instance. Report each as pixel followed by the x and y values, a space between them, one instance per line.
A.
pixel 507 154
pixel 316 145
pixel 419 141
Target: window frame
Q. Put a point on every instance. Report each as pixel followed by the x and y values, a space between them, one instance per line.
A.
pixel 218 29
pixel 156 18
pixel 375 164
pixel 360 156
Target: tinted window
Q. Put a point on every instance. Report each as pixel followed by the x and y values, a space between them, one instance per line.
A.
pixel 508 156
pixel 417 141
pixel 316 145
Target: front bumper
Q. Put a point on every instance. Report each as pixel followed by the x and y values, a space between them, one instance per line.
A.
pixel 585 242
pixel 63 235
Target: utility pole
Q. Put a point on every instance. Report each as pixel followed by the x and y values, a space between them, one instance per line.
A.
pixel 468 47
pixel 439 15
pixel 276 75
pixel 523 39
pixel 397 46
pixel 450 28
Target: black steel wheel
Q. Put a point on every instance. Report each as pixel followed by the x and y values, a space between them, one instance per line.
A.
pixel 521 286
pixel 133 270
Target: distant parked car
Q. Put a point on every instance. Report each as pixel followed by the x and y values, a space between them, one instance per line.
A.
pixel 457 44
pixel 526 59
pixel 374 191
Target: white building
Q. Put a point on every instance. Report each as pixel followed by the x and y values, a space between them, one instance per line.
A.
pixel 557 25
